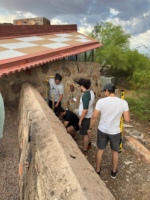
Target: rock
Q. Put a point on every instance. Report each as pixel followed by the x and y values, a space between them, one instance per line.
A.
pixel 127 126
pixel 134 133
pixel 138 147
pixel 128 162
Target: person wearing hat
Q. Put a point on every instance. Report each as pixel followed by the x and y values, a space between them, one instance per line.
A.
pixel 110 108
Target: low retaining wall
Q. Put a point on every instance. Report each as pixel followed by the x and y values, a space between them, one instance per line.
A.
pixel 51 164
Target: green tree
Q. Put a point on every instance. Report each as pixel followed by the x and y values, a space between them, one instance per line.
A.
pixel 125 64
pixel 115 43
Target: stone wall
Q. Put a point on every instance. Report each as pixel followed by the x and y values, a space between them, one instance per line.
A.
pixel 51 165
pixel 69 70
pixel 32 21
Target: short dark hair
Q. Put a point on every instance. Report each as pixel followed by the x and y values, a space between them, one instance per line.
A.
pixel 84 82
pixel 58 77
pixel 59 110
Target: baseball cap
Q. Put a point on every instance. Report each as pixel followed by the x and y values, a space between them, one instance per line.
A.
pixel 109 86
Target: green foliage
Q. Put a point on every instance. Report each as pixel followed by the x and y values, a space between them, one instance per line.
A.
pixel 124 64
pixel 116 54
pixel 140 106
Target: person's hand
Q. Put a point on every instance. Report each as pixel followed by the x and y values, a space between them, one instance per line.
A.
pixel 56 105
pixel 89 132
pixel 80 124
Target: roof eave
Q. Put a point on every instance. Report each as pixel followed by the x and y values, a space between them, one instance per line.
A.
pixel 27 62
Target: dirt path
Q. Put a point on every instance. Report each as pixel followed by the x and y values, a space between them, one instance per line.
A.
pixel 133 179
pixel 9 156
pixel 132 182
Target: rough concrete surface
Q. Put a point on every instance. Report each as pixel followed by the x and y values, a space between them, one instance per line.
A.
pixel 132 182
pixel 51 164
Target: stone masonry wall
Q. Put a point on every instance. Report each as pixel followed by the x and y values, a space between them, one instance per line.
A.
pixel 51 165
pixel 69 70
pixel 32 21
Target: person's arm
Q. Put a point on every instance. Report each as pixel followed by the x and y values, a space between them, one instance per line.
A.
pixel 126 115
pixel 93 119
pixel 84 112
pixel 59 100
pixel 66 123
pixel 85 99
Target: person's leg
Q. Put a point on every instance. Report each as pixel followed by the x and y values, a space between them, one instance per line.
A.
pixel 99 154
pixel 90 139
pixel 71 131
pixel 114 144
pixel 85 126
pixel 85 142
pixel 85 137
pixel 115 158
pixel 50 103
pixel 102 141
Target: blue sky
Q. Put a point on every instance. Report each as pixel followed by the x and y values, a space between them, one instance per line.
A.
pixel 132 15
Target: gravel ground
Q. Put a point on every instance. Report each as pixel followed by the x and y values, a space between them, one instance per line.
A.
pixel 132 182
pixel 133 178
pixel 9 157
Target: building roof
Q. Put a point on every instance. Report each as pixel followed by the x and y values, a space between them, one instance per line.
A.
pixel 24 47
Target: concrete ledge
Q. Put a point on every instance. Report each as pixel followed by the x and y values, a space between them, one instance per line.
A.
pixel 51 165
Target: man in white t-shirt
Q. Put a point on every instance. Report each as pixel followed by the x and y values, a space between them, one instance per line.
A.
pixel 110 108
pixel 56 91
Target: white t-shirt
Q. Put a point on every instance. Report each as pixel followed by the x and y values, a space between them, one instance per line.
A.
pixel 111 109
pixel 86 102
pixel 55 89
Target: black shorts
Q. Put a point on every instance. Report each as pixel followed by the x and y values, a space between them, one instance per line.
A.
pixel 76 127
pixel 103 138
pixel 85 126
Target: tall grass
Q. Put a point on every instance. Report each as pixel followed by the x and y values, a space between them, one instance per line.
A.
pixel 140 105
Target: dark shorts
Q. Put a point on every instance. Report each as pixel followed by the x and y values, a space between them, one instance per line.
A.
pixel 103 138
pixel 85 126
pixel 76 127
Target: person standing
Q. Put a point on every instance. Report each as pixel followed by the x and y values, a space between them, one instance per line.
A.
pixel 2 116
pixel 56 91
pixel 85 112
pixel 110 108
pixel 70 121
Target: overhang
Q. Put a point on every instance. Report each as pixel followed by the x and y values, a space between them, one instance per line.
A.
pixel 33 47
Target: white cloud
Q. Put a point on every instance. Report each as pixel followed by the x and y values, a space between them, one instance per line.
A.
pixel 141 42
pixel 9 17
pixel 85 30
pixel 146 14
pixel 85 27
pixel 113 11
pixel 57 21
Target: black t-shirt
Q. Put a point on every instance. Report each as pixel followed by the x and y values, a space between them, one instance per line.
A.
pixel 71 118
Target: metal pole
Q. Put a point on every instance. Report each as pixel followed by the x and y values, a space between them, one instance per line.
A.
pixel 121 123
pixel 53 102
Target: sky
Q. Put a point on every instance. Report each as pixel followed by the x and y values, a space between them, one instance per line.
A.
pixel 132 15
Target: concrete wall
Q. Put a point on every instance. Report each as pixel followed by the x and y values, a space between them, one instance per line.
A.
pixel 69 70
pixel 51 165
